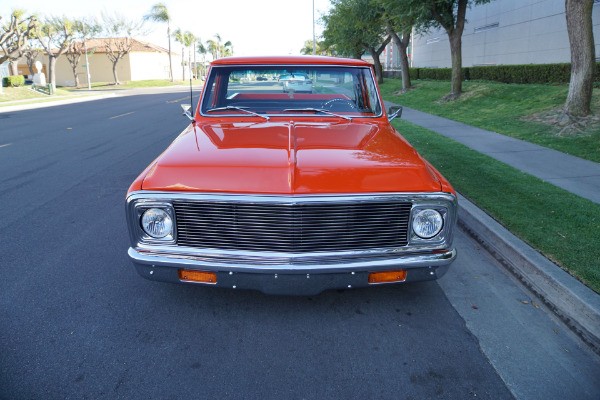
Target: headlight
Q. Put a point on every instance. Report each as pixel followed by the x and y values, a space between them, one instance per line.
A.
pixel 427 223
pixel 157 223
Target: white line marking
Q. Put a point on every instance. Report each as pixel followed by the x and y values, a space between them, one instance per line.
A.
pixel 122 115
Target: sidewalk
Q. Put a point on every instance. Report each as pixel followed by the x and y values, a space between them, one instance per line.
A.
pixel 571 173
pixel 573 302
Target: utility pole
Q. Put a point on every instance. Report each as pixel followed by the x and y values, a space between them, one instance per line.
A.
pixel 87 61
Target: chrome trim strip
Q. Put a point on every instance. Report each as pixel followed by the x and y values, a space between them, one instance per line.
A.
pixel 372 265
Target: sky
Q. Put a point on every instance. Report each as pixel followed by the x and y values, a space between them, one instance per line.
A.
pixel 255 27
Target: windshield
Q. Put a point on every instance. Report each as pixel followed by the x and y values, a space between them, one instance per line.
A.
pixel 289 90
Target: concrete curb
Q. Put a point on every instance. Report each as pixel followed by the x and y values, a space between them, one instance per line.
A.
pixel 52 103
pixel 573 302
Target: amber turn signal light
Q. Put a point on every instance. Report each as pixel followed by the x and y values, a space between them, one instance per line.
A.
pixel 388 276
pixel 197 276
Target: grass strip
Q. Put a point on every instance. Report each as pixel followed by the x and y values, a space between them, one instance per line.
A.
pixel 25 93
pixel 502 108
pixel 562 226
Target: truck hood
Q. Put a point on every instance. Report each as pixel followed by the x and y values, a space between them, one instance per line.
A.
pixel 291 157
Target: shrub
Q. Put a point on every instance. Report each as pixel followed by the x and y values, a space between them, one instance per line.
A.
pixel 529 73
pixel 14 81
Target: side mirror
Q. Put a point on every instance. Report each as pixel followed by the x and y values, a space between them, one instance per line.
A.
pixel 393 112
pixel 186 111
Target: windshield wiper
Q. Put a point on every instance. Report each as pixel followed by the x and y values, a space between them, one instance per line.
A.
pixel 243 109
pixel 318 110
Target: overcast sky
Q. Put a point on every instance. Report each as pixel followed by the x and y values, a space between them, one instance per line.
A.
pixel 255 27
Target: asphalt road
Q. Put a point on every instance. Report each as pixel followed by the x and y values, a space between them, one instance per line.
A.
pixel 76 321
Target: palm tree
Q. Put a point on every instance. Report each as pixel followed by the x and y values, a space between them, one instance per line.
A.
pixel 187 39
pixel 201 49
pixel 218 50
pixel 160 13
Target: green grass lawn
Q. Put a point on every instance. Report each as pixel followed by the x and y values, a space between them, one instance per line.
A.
pixel 502 108
pixel 24 93
pixel 562 226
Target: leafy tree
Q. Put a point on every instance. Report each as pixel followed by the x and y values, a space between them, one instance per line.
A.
pixel 449 15
pixel 321 49
pixel 399 24
pixel 118 47
pixel 83 29
pixel 14 37
pixel 581 39
pixel 339 32
pixel 160 13
pixel 355 26
pixel 30 55
pixel 55 35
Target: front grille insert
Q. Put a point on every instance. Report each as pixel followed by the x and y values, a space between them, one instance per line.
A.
pixel 292 227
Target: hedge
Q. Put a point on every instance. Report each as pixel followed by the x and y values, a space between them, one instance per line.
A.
pixel 529 73
pixel 14 81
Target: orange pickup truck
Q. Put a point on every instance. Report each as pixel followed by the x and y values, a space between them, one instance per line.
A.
pixel 291 191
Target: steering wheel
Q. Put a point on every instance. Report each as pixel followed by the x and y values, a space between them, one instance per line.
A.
pixel 338 104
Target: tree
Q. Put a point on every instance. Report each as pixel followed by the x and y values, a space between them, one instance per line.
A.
pixel 581 39
pixel 201 49
pixel 218 49
pixel 83 29
pixel 14 36
pixel 338 32
pixel 321 49
pixel 55 32
pixel 118 47
pixel 355 26
pixel 30 55
pixel 449 15
pixel 160 13
pixel 399 24
pixel 187 39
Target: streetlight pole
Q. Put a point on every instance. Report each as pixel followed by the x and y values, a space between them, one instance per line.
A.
pixel 314 44
pixel 87 61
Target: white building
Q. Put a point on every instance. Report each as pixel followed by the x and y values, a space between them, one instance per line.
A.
pixel 502 32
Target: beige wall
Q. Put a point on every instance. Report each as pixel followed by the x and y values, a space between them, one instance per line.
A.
pixel 135 66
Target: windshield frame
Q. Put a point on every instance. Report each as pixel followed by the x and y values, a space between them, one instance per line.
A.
pixel 369 75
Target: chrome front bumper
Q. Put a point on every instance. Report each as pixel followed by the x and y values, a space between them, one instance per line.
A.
pixel 288 277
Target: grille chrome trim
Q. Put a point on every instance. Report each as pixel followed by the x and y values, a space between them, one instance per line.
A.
pixel 292 227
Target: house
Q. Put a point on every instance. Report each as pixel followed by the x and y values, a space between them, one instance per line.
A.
pixel 144 61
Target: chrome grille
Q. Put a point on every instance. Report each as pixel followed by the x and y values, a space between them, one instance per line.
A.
pixel 292 227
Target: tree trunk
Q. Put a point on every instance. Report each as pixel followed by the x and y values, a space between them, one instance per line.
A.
pixel 456 54
pixel 115 74
pixel 406 83
pixel 377 64
pixel 182 64
pixel 402 45
pixel 75 76
pixel 52 71
pixel 581 39
pixel 14 68
pixel 170 60
pixel 195 64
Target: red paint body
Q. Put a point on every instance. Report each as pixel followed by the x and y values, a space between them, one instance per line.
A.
pixel 290 155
